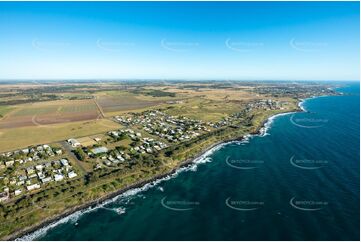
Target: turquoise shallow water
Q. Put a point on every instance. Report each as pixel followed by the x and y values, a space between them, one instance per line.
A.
pixel 299 182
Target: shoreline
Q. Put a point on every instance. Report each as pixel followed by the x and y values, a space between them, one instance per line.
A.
pixel 261 131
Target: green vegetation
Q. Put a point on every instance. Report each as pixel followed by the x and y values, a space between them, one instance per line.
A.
pixel 80 154
pixel 4 110
pixel 208 114
pixel 154 93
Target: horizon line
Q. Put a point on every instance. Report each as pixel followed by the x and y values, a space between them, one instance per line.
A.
pixel 170 79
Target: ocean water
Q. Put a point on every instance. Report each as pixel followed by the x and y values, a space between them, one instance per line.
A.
pixel 300 181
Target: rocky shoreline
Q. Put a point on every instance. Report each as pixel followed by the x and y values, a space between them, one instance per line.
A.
pixel 139 184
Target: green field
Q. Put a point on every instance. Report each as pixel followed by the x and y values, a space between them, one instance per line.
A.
pixel 5 109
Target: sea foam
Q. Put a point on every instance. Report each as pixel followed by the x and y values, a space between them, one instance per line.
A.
pixel 127 196
pixel 124 197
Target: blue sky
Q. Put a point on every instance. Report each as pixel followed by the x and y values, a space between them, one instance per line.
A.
pixel 180 40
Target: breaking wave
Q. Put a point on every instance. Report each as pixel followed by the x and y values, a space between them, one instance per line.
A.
pixel 128 195
pixel 124 197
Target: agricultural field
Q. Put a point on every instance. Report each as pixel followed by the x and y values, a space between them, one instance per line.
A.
pixel 122 135
pixel 4 110
pixel 11 139
pixel 82 109
pixel 50 112
pixel 115 102
pixel 206 110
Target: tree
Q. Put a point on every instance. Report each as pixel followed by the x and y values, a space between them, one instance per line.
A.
pixel 80 154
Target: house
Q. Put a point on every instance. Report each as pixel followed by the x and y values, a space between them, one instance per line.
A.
pixel 25 151
pixel 58 152
pixel 32 175
pixel 46 179
pixel 30 170
pixel 72 174
pixel 17 192
pixel 9 163
pixel 22 178
pixel 8 154
pixel 28 159
pixel 64 162
pixel 99 150
pixel 50 153
pixel 33 187
pixel 41 175
pixel 74 142
pixel 4 196
pixel 39 167
pixel 58 177
pixel 119 157
pixel 13 181
pixel 114 134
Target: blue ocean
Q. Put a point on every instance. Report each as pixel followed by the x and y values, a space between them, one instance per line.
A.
pixel 299 181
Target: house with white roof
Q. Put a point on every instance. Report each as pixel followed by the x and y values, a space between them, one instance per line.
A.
pixel 58 177
pixel 74 142
pixel 33 187
pixel 72 174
